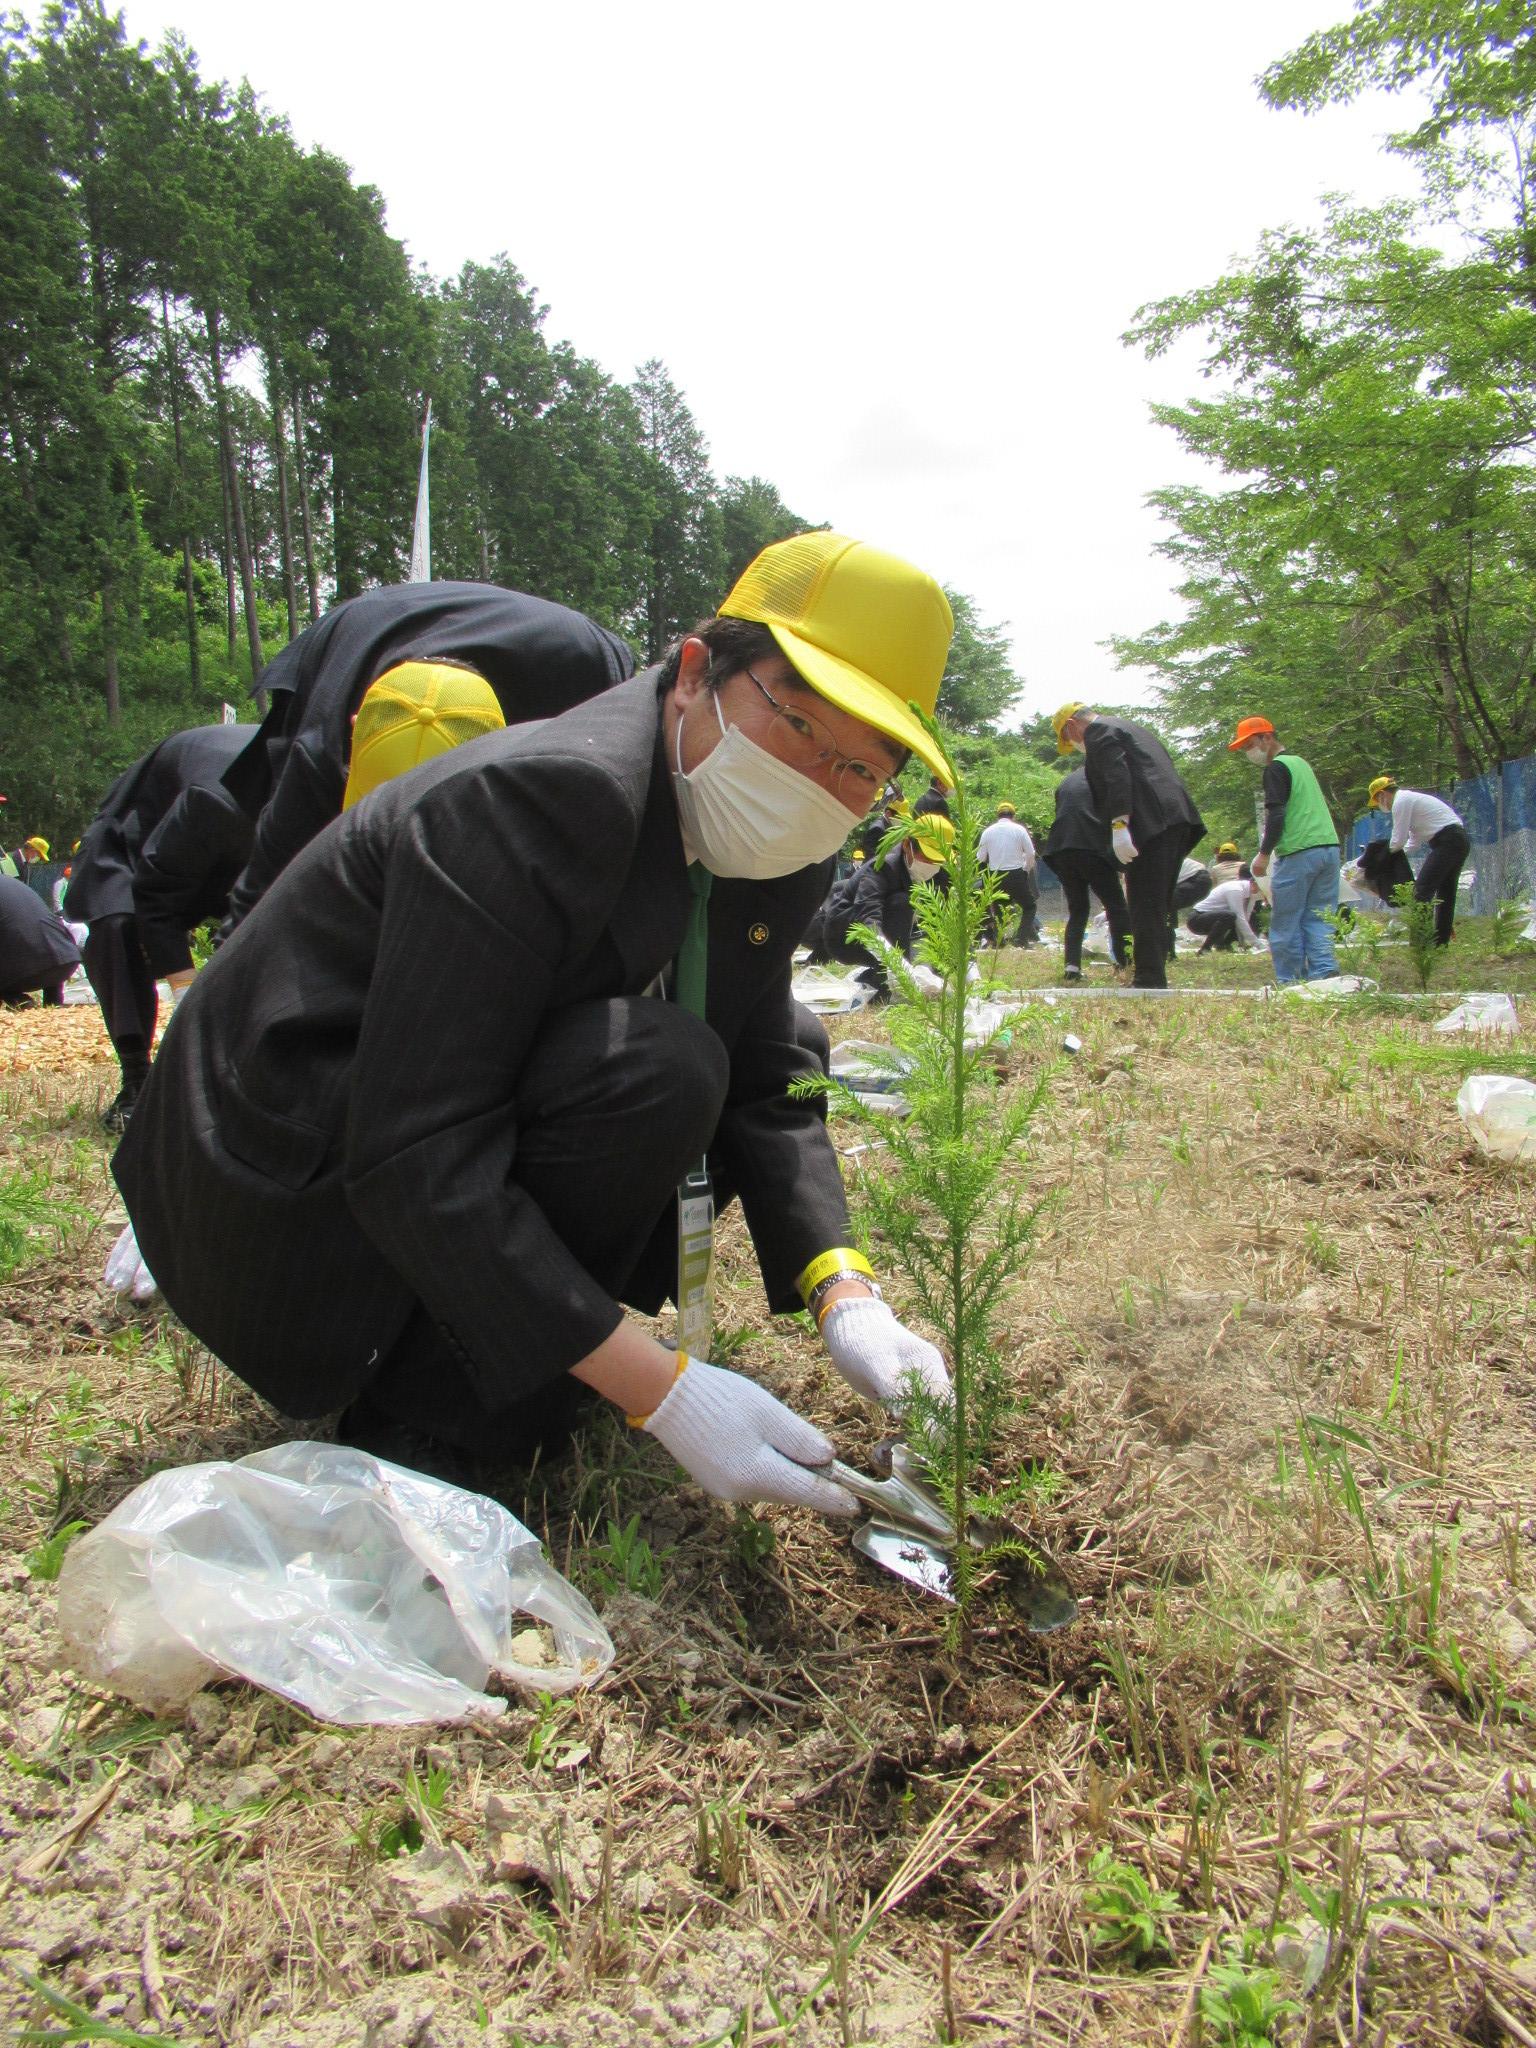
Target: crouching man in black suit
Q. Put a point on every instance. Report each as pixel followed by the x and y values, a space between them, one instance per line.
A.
pixel 416 1132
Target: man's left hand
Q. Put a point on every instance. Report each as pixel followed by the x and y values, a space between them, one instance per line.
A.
pixel 877 1355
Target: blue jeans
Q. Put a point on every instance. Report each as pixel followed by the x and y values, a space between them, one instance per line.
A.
pixel 1304 885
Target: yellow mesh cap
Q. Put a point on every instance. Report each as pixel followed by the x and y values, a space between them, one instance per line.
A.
pixel 1382 782
pixel 866 630
pixel 39 847
pixel 1059 720
pixel 412 714
pixel 934 837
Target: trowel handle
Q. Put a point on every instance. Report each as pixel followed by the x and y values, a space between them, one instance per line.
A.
pixel 894 1498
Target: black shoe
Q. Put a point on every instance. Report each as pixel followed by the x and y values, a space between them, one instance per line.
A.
pixel 365 1428
pixel 114 1117
pixel 1071 974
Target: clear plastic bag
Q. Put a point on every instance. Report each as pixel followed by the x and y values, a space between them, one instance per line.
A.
pixel 1481 1013
pixel 1332 985
pixel 830 995
pixel 1500 1112
pixel 359 1590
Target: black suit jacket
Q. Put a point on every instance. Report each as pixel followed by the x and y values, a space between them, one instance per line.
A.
pixel 1130 775
pixel 539 658
pixel 37 948
pixel 1078 828
pixel 104 871
pixel 329 1134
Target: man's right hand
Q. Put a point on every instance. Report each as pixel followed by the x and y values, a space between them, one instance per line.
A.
pixel 741 1444
pixel 1259 865
pixel 1124 845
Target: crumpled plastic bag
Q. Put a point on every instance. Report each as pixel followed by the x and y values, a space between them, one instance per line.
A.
pixel 1500 1112
pixel 1332 985
pixel 126 1272
pixel 830 995
pixel 1481 1013
pixel 363 1592
pixel 873 1073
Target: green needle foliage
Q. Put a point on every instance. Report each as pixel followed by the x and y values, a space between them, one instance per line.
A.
pixel 1424 950
pixel 943 1191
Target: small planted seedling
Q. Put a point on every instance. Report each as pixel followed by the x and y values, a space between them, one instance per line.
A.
pixel 945 1191
pixel 1424 949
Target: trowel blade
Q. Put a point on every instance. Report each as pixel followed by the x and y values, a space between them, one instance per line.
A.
pixel 906 1554
pixel 1040 1597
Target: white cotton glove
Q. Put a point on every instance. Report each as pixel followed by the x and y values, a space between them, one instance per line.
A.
pixel 739 1443
pixel 126 1272
pixel 1124 845
pixel 876 1354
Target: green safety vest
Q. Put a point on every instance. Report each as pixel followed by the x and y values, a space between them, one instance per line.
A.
pixel 1308 821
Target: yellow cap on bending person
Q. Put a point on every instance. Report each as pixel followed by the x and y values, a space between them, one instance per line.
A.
pixel 866 630
pixel 934 836
pixel 412 714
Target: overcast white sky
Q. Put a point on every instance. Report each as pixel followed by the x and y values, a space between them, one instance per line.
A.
pixel 886 251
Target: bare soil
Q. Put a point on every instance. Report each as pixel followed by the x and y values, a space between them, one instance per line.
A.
pixel 1276 1338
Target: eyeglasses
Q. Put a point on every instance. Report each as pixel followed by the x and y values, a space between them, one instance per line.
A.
pixel 800 738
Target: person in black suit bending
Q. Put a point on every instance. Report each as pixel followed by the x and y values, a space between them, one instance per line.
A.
pixel 415 1133
pixel 1152 822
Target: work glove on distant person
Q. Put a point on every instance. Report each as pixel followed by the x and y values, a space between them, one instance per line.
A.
pixel 877 1355
pixel 739 1443
pixel 126 1271
pixel 1124 845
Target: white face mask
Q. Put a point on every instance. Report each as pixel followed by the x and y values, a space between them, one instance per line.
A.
pixel 923 870
pixel 747 814
pixel 1259 756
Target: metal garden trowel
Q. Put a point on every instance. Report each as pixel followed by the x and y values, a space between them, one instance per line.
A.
pixel 911 1533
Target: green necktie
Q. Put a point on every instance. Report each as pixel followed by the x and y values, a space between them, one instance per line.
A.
pixel 693 954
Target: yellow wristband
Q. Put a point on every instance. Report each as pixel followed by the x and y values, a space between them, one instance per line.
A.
pixel 840 1259
pixel 639 1421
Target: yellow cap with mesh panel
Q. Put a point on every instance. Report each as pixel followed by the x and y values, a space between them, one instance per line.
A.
pixel 934 836
pixel 38 848
pixel 1006 810
pixel 1382 782
pixel 1060 718
pixel 412 714
pixel 866 630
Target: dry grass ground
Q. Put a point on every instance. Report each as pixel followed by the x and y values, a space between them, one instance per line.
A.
pixel 1275 1784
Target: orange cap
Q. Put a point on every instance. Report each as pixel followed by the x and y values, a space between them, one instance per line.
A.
pixel 1249 729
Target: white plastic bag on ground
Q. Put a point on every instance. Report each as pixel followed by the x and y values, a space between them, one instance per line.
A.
pixel 1500 1112
pixel 361 1591
pixel 874 1074
pixel 126 1272
pixel 1096 938
pixel 830 995
pixel 1332 985
pixel 1481 1013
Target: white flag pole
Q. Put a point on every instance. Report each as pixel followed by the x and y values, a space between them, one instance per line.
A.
pixel 421 538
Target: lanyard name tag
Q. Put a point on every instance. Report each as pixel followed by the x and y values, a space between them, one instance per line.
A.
pixel 695 1262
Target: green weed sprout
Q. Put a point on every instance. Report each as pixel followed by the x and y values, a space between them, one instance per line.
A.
pixel 1424 950
pixel 1242 2004
pixel 1127 1916
pixel 942 1191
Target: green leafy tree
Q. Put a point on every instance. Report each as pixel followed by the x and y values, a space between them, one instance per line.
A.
pixel 686 568
pixel 979 683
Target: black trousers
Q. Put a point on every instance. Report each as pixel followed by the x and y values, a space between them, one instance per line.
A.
pixel 1437 878
pixel 1078 871
pixel 1150 882
pixel 1018 888
pixel 617 1103
pixel 1218 928
pixel 117 970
